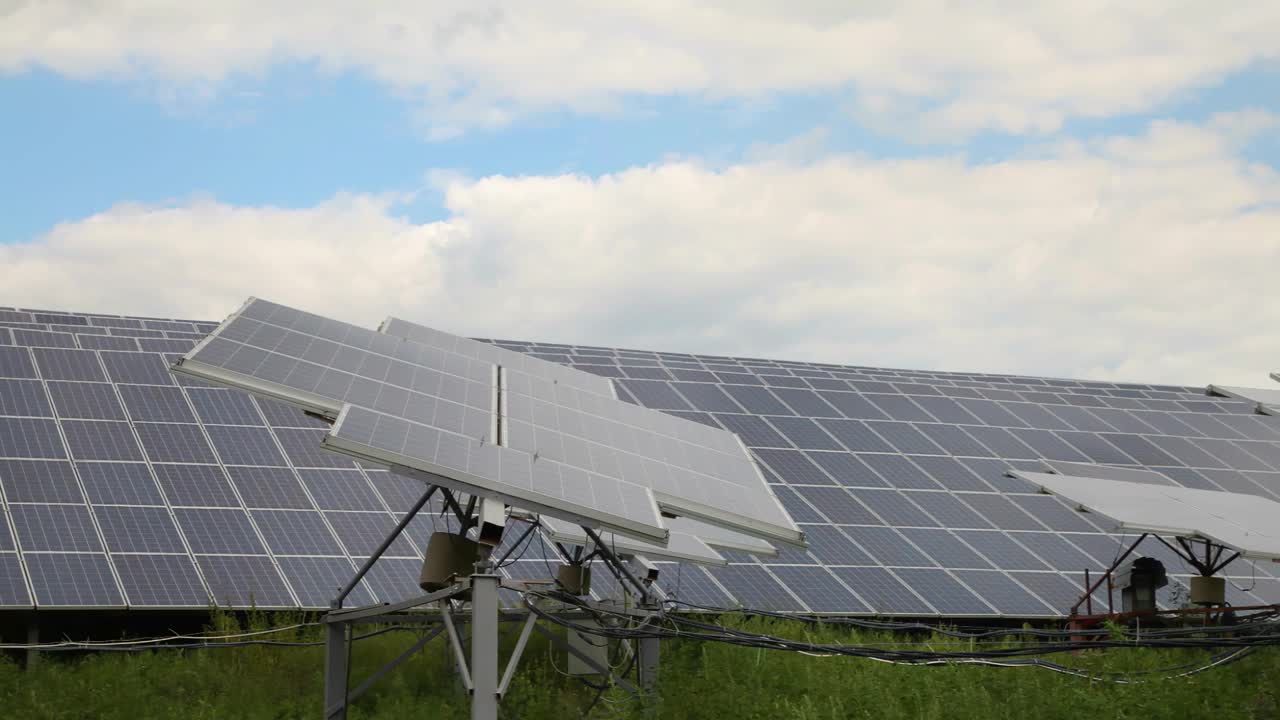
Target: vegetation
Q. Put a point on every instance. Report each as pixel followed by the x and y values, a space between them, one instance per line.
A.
pixel 699 680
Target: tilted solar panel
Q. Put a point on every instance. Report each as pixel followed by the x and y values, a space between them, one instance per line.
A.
pixel 566 448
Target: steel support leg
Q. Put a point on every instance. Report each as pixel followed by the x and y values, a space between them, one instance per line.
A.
pixel 33 638
pixel 484 646
pixel 335 670
pixel 647 661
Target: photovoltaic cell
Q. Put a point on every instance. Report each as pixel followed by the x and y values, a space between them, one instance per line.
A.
pixel 754 587
pixel 101 440
pixel 805 433
pixel 394 579
pixel 138 529
pixel 854 406
pixel 888 546
pixel 13 586
pixel 215 406
pixel 944 593
pixel 847 469
pixel 23 397
pixel 793 464
pixel 900 407
pixel 655 394
pixel 317 580
pixel 293 532
pixel 949 473
pixel 141 367
pixel 884 592
pixel 110 483
pixel 806 402
pixel 856 436
pixel 838 506
pixel 819 589
pixel 30 438
pixel 160 580
pixel 690 584
pixel 84 400
pixel 245 446
pixel 156 403
pixel 757 400
pixel 56 528
pixel 81 580
pixel 196 485
pixel 1054 589
pixel 893 508
pixel 944 548
pixel 1000 511
pixel 1008 597
pixel 39 481
pixel 362 532
pixel 1056 551
pixel 15 362
pixel 64 364
pixel 947 509
pixel 953 440
pixel 245 581
pixel 340 490
pixel 754 431
pixel 218 531
pixel 174 443
pixel 899 472
pixel 905 438
pixel 1001 550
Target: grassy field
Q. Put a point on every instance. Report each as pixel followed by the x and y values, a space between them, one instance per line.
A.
pixel 699 680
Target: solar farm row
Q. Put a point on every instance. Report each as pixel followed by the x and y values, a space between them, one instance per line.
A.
pixel 125 486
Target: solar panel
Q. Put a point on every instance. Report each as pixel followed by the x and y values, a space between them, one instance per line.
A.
pixel 429 406
pixel 1267 399
pixel 1245 523
pixel 1020 553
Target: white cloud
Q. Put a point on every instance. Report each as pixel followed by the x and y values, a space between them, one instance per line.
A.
pixel 938 69
pixel 1149 258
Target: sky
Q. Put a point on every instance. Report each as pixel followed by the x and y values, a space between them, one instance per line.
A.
pixel 1086 190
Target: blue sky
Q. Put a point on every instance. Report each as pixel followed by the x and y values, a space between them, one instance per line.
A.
pixel 706 150
pixel 300 134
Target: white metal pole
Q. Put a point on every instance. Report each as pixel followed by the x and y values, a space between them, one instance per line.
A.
pixel 484 646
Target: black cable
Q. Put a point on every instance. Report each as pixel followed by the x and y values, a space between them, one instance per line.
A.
pixel 141 647
pixel 512 557
pixel 958 631
pixel 1244 641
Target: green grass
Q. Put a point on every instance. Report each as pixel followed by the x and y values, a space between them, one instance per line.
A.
pixel 699 680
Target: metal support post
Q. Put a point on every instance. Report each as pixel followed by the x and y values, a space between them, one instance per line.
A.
pixel 484 646
pixel 336 644
pixel 647 661
pixel 33 638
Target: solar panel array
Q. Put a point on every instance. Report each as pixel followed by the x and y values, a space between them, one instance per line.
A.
pixel 124 486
